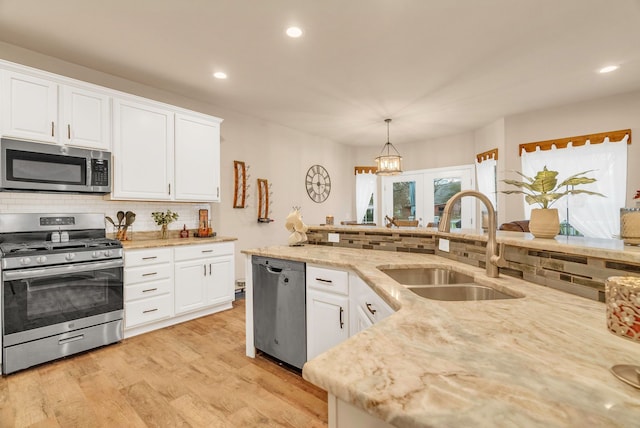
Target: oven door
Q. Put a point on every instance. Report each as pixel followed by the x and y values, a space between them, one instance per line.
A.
pixel 49 299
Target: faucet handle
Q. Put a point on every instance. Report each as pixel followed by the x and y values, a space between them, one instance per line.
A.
pixel 498 259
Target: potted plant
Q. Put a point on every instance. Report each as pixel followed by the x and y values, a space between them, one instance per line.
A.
pixel 544 190
pixel 163 220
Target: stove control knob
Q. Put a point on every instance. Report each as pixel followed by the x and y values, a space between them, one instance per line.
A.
pixel 95 254
pixel 107 253
pixel 41 259
pixel 70 256
pixel 25 261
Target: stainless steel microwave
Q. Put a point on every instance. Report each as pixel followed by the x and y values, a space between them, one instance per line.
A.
pixel 39 167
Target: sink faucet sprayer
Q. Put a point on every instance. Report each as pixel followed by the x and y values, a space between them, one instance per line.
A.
pixel 494 259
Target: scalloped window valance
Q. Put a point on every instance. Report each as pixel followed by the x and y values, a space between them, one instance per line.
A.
pixel 581 140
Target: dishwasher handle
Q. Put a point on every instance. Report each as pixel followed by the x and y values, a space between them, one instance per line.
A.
pixel 274 270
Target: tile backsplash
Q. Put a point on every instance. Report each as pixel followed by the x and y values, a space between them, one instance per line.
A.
pixel 23 202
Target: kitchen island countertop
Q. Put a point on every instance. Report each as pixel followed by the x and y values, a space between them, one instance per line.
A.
pixel 539 360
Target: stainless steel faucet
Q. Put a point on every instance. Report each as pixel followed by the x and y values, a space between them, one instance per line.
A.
pixel 494 259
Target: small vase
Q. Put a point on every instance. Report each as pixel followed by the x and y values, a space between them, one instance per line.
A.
pixel 544 222
pixel 164 232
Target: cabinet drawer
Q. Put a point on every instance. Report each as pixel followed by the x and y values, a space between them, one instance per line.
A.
pixel 147 273
pixel 147 289
pixel 373 306
pixel 147 310
pixel 336 281
pixel 146 257
pixel 191 252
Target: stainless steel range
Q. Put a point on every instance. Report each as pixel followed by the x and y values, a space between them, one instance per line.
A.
pixel 62 287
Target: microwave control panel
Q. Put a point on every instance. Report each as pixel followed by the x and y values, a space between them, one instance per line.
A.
pixel 99 172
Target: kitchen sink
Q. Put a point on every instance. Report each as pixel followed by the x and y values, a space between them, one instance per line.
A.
pixel 444 284
pixel 463 292
pixel 427 276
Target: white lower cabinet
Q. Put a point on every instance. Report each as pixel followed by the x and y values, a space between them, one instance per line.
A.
pixel 339 304
pixel 165 286
pixel 204 276
pixel 366 307
pixel 327 309
pixel 148 286
pixel 327 321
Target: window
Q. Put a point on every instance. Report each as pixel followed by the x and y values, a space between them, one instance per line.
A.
pixel 365 197
pixel 591 216
pixel 421 195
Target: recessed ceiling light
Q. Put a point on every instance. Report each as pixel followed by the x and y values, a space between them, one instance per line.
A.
pixel 294 32
pixel 609 69
pixel 220 75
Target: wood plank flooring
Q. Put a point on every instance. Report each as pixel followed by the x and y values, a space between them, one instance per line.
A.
pixel 193 374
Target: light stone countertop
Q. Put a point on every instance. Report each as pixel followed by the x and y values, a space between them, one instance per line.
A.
pixel 540 360
pixel 152 241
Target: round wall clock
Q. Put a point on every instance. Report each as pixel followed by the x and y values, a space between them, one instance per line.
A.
pixel 318 183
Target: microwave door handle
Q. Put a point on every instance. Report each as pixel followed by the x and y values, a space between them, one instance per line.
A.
pixel 60 270
pixel 89 173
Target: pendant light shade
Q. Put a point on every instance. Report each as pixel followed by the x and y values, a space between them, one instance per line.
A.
pixel 389 163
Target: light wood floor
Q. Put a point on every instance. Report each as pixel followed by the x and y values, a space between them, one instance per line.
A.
pixel 192 374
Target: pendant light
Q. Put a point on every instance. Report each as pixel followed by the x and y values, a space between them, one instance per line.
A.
pixel 389 164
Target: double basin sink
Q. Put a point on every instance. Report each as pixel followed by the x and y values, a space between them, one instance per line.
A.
pixel 443 284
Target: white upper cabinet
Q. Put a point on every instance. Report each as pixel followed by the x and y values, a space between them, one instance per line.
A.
pixel 142 151
pixel 197 158
pixel 29 107
pixel 86 118
pixel 44 110
pixel 160 152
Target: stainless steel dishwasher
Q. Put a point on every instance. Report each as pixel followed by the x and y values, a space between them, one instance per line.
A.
pixel 279 309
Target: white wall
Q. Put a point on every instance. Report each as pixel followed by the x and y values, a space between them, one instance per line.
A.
pixel 276 153
pixel 488 138
pixel 588 117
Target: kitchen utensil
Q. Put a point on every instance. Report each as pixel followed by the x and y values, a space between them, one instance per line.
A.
pixel 129 218
pixel 110 220
pixel 120 215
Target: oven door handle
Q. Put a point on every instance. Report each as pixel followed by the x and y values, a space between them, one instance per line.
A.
pixel 60 270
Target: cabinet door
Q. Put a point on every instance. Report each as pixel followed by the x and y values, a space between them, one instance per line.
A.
pixel 327 321
pixel 220 274
pixel 197 159
pixel 85 119
pixel 29 107
pixel 190 286
pixel 142 151
pixel 360 320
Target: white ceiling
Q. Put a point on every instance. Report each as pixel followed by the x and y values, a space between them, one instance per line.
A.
pixel 436 67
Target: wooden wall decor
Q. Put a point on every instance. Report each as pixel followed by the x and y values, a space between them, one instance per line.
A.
pixel 365 170
pixel 263 201
pixel 489 154
pixel 580 140
pixel 240 178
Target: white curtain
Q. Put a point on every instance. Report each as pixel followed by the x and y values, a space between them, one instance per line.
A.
pixel 365 187
pixel 593 216
pixel 486 179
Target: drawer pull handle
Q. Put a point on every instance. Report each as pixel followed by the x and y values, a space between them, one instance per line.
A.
pixel 71 339
pixel 149 310
pixel 149 289
pixel 326 281
pixel 368 305
pixel 341 321
pixel 149 273
pixel 150 258
pixel 207 251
